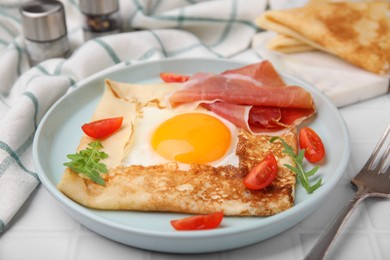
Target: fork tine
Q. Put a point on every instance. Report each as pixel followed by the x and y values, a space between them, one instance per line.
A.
pixel 377 148
pixel 382 164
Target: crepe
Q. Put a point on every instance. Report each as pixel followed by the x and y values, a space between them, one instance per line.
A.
pixel 201 189
pixel 286 44
pixel 358 32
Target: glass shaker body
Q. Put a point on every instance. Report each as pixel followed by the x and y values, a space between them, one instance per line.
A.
pixel 40 51
pixel 101 25
pixel 100 18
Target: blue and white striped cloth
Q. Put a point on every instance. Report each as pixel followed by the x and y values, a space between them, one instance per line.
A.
pixel 168 28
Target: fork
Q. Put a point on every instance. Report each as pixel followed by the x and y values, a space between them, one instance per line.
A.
pixel 373 180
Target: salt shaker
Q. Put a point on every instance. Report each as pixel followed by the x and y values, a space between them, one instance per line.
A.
pixel 45 31
pixel 101 17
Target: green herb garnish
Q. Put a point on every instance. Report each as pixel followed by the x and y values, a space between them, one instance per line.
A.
pixel 87 162
pixel 298 159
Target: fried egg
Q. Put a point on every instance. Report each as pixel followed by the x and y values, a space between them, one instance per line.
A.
pixel 184 135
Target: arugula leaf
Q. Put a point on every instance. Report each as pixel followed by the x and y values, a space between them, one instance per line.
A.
pixel 87 162
pixel 299 170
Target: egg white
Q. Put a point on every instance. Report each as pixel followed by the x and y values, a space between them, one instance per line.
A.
pixel 141 151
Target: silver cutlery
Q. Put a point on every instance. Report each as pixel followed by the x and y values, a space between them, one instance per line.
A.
pixel 373 180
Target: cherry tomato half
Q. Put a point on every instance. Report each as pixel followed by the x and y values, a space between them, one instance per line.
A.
pixel 198 222
pixel 173 77
pixel 102 128
pixel 312 143
pixel 262 174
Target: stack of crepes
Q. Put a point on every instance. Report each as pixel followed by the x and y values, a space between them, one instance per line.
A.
pixel 358 32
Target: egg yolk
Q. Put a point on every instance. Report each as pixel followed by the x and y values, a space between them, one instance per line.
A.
pixel 192 138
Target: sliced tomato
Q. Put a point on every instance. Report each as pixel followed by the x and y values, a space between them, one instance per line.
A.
pixel 173 77
pixel 198 222
pixel 262 174
pixel 312 143
pixel 102 128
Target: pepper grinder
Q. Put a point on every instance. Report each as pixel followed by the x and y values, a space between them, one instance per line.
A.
pixel 44 29
pixel 101 17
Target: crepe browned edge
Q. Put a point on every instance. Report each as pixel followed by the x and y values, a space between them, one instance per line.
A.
pixel 200 190
pixel 358 32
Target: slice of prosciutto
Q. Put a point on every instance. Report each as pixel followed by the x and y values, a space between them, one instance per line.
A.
pixel 253 97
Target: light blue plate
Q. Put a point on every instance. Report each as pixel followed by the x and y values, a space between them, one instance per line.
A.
pixel 59 134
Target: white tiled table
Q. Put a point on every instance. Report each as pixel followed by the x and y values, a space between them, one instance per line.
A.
pixel 42 230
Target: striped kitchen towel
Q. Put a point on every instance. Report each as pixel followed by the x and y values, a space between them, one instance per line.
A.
pixel 153 29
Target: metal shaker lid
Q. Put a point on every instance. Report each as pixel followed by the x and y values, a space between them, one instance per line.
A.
pixel 43 20
pixel 98 7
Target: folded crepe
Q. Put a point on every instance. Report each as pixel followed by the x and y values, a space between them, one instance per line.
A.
pixel 200 189
pixel 358 32
pixel 335 1
pixel 287 44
